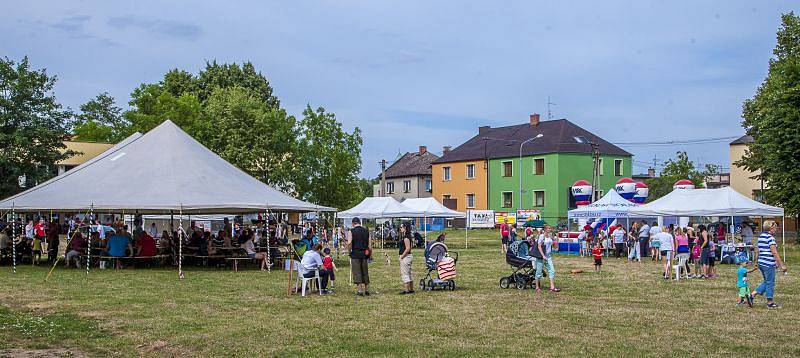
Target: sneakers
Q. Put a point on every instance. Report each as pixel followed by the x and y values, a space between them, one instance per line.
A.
pixel 773 305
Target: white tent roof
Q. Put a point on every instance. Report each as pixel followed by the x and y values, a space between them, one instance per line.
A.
pixel 161 171
pixel 431 208
pixel 379 207
pixel 612 205
pixel 706 202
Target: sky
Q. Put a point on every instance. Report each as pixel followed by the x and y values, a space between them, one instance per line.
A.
pixel 411 73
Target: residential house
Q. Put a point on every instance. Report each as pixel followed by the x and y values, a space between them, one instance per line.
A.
pixel 486 172
pixel 741 179
pixel 409 176
pixel 85 150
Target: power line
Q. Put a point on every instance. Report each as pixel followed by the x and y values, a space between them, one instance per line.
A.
pixel 677 142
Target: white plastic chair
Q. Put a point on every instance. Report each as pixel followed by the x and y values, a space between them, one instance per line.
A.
pixel 681 265
pixel 308 281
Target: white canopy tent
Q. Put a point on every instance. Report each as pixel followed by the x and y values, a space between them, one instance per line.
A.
pixel 379 208
pixel 709 202
pixel 611 205
pixel 162 171
pixel 431 208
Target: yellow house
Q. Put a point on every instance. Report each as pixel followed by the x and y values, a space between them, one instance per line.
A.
pixel 462 183
pixel 742 179
pixel 86 151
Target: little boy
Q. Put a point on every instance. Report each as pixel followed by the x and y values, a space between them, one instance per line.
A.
pixel 741 282
pixel 327 263
pixel 597 253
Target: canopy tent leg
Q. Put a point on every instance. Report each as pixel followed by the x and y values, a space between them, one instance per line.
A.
pixel 180 243
pixel 13 240
pixel 269 253
pixel 89 246
pixel 783 237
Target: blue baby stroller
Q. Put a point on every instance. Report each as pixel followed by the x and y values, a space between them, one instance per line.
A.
pixel 521 263
pixel 439 260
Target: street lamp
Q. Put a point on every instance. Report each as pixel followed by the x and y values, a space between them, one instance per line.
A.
pixel 520 166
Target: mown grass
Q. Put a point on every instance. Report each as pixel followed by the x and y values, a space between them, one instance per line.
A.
pixel 626 310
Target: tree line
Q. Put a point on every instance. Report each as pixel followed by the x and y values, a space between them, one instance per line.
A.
pixel 229 108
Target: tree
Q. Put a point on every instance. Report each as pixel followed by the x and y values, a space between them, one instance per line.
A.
pixel 152 104
pixel 100 120
pixel 32 126
pixel 677 169
pixel 328 160
pixel 247 132
pixel 232 75
pixel 772 118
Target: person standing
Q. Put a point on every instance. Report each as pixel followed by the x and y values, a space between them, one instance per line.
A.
pixel 768 259
pixel 636 247
pixel 747 234
pixel 545 246
pixel 667 245
pixel 705 249
pixel 683 248
pixel 360 246
pixel 619 239
pixel 52 242
pixel 406 259
pixel 504 234
pixel 655 254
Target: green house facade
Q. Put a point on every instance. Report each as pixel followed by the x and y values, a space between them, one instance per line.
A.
pixel 547 180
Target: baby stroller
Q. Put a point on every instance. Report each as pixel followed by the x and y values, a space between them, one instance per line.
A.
pixel 524 272
pixel 439 260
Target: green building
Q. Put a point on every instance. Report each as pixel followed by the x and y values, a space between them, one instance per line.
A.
pixel 555 154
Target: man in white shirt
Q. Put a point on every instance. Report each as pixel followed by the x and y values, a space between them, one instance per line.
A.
pixel 667 247
pixel 747 234
pixel 311 262
pixel 619 239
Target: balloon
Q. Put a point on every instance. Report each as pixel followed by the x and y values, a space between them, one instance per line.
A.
pixel 641 193
pixel 582 192
pixel 683 184
pixel 626 188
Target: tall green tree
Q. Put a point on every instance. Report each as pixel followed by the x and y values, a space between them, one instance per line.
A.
pixel 100 120
pixel 328 159
pixel 772 118
pixel 32 126
pixel 244 130
pixel 677 169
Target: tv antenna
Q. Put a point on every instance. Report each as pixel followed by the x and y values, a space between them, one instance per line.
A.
pixel 549 113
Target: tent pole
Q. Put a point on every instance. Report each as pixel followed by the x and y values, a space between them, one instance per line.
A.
pixel 14 239
pixel 89 247
pixel 783 237
pixel 266 229
pixel 180 243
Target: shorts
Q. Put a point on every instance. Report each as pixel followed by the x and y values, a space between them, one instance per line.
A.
pixel 360 271
pixel 655 244
pixel 744 291
pixel 666 253
pixel 704 256
pixel 505 240
pixel 252 256
pixel 405 268
pixel 598 262
pixel 710 262
pixel 331 275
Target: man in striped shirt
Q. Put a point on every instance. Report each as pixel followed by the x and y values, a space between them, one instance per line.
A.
pixel 768 260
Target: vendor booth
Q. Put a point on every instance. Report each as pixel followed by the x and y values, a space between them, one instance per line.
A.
pixel 604 212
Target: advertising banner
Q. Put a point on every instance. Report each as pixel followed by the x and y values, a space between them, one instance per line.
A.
pixel 504 217
pixel 527 215
pixel 480 219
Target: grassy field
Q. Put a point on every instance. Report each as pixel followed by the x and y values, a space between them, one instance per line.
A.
pixel 627 310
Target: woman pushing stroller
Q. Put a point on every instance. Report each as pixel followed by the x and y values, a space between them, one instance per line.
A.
pixel 544 255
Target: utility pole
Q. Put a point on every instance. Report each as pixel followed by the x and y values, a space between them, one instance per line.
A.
pixel 382 190
pixel 595 169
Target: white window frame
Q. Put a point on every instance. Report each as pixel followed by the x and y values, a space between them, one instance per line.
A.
pixel 447 174
pixel 503 201
pixel 544 198
pixel 600 166
pixel 473 200
pixel 406 186
pixel 428 185
pixel 598 194
pixel 389 187
pixel 470 177
pixel 544 166
pixel 621 167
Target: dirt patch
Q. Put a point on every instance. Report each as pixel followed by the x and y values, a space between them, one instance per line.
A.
pixel 163 348
pixel 40 353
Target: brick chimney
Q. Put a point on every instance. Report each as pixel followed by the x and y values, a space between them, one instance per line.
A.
pixel 483 129
pixel 423 149
pixel 446 149
pixel 534 119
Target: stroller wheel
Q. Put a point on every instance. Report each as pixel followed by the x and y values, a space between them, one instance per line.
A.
pixel 430 285
pixel 452 285
pixel 422 284
pixel 520 284
pixel 504 282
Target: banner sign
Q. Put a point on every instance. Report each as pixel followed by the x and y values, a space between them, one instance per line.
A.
pixel 480 218
pixel 527 215
pixel 504 217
